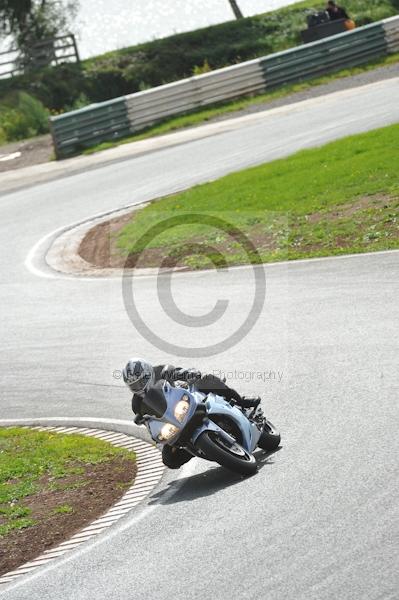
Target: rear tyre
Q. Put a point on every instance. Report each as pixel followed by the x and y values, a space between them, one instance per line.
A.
pixel 269 438
pixel 233 457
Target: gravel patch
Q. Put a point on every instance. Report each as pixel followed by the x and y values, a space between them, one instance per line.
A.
pixel 31 152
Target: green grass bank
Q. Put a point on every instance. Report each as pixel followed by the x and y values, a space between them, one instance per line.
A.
pixel 338 199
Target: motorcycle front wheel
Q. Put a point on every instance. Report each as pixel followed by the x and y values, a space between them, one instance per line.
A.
pixel 231 456
pixel 269 438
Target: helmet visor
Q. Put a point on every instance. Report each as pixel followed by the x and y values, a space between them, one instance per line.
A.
pixel 141 383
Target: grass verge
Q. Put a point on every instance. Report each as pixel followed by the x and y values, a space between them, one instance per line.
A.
pixel 33 463
pixel 213 112
pixel 340 198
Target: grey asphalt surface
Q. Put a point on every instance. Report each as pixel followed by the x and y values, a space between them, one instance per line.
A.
pixel 317 521
pixel 39 150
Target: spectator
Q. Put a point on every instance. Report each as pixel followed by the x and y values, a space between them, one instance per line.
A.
pixel 336 12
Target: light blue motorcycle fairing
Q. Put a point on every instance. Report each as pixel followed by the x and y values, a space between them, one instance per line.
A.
pixel 217 405
pixel 173 396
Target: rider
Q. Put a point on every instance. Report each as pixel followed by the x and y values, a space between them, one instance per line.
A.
pixel 336 12
pixel 139 376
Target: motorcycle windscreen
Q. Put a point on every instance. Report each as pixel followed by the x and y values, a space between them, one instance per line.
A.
pixel 155 400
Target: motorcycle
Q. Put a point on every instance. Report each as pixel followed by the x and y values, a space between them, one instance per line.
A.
pixel 207 426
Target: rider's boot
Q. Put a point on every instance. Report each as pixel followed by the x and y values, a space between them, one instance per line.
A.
pixel 249 401
pixel 174 458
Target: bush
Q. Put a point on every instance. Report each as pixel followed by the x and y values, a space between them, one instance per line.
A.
pixel 81 101
pixel 35 114
pixel 14 125
pixel 204 68
pixel 55 87
pixel 3 137
pixel 22 116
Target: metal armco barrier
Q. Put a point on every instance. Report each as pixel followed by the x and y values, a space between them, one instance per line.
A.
pixel 89 126
pixel 391 28
pixel 146 108
pixel 339 51
pixel 126 115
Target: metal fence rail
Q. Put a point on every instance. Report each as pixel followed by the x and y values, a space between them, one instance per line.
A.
pixel 322 57
pixel 151 106
pixel 391 28
pixel 116 118
pixel 90 126
pixel 52 51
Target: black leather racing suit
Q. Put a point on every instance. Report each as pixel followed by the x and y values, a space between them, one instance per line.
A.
pixel 176 457
pixel 338 13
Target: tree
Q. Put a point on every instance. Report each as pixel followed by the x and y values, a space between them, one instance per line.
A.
pixel 31 21
pixel 236 9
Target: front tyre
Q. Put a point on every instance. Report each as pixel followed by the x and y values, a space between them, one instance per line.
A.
pixel 231 456
pixel 269 438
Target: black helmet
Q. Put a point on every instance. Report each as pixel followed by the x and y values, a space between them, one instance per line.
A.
pixel 138 375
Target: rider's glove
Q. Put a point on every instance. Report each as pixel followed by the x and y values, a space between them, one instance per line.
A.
pixel 189 375
pixel 193 375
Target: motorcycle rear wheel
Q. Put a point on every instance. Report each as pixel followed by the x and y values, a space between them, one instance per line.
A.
pixel 269 438
pixel 234 458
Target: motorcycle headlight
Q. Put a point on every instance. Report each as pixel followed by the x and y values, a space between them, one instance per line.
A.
pixel 167 432
pixel 181 408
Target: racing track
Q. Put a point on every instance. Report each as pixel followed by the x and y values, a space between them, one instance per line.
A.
pixel 316 522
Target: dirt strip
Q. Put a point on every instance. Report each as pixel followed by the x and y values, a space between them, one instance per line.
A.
pixel 83 497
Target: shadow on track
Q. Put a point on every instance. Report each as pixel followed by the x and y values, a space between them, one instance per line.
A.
pixel 207 483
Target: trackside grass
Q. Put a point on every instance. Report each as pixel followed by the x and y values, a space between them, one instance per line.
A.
pixel 34 463
pixel 336 199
